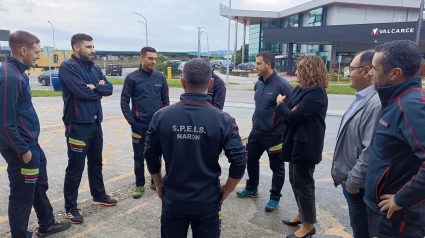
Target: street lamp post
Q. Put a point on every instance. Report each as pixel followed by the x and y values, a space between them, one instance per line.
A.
pixel 53 35
pixel 208 45
pixel 228 43
pixel 146 26
pixel 421 14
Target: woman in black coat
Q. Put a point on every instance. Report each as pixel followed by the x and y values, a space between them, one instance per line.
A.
pixel 304 115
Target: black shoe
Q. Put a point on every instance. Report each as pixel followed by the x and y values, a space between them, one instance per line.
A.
pixel 153 187
pixel 55 228
pixel 105 200
pixel 309 234
pixel 289 223
pixel 74 216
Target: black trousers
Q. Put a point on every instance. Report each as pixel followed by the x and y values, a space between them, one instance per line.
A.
pixel 256 146
pixel 175 225
pixel 380 226
pixel 139 158
pixel 83 139
pixel 302 181
pixel 28 187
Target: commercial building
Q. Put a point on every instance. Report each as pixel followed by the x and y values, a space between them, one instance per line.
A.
pixel 327 28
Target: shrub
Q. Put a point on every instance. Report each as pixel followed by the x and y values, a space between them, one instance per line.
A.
pixel 334 77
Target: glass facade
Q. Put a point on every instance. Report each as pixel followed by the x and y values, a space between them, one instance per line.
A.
pixel 256 42
pixel 317 17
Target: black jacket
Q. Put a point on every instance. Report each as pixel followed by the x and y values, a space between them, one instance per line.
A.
pixel 148 92
pixel 218 92
pixel 191 135
pixel 81 104
pixel 304 136
pixel 397 162
pixel 265 120
pixel 19 125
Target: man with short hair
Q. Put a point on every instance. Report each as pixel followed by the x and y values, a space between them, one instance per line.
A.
pixel 147 90
pixel 217 91
pixel 191 135
pixel 83 85
pixel 267 130
pixel 19 131
pixel 354 141
pixel 395 178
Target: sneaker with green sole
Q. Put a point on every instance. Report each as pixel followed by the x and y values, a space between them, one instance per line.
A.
pixel 138 192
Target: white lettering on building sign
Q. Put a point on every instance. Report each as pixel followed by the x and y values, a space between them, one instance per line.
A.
pixel 377 31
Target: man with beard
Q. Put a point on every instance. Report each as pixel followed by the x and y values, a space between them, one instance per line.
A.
pixel 148 91
pixel 395 177
pixel 83 85
pixel 19 131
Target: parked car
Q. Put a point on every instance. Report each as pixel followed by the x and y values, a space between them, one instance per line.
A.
pixel 224 64
pixel 215 64
pixel 114 69
pixel 44 78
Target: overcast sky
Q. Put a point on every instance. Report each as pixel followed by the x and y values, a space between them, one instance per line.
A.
pixel 114 26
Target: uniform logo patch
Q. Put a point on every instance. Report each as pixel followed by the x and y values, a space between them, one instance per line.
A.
pixel 30 175
pixel 158 85
pixel 136 137
pixel 269 93
pixel 383 122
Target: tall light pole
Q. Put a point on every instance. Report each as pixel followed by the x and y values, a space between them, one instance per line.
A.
pixel 208 44
pixel 228 44
pixel 146 25
pixel 199 40
pixel 53 35
pixel 421 18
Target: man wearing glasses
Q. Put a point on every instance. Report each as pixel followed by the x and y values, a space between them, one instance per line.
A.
pixel 354 141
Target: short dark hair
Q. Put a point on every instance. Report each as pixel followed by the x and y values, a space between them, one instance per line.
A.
pixel 78 38
pixel 197 74
pixel 366 57
pixel 146 50
pixel 268 57
pixel 21 39
pixel 403 54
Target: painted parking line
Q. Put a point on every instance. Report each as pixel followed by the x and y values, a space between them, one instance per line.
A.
pixel 112 146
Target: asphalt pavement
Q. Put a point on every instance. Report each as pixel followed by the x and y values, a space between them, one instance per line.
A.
pixel 141 218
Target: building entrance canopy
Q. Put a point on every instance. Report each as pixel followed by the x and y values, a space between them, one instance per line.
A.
pixel 362 33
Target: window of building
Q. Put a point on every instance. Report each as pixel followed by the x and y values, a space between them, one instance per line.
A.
pixel 295 21
pixel 254 41
pixel 317 17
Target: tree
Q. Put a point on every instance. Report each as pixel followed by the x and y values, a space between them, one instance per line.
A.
pixel 239 55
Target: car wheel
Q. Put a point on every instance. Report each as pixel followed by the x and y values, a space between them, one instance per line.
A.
pixel 120 74
pixel 43 82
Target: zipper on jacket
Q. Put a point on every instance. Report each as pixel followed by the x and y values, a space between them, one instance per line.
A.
pixel 25 127
pixel 379 187
pixel 274 115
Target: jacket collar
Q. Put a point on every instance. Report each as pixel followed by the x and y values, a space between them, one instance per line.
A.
pixel 196 97
pixel 82 61
pixel 268 79
pixel 21 67
pixel 142 71
pixel 394 91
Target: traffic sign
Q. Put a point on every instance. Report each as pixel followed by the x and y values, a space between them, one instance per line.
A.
pixel 48 50
pixel 339 58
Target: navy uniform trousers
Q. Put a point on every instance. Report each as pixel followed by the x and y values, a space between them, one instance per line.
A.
pixel 28 187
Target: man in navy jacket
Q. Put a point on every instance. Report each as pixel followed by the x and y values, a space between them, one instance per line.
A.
pixel 191 135
pixel 19 131
pixel 147 90
pixel 217 92
pixel 267 130
pixel 395 179
pixel 83 85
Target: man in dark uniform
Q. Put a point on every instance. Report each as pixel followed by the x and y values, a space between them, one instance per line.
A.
pixel 148 91
pixel 267 130
pixel 217 91
pixel 19 131
pixel 83 85
pixel 191 135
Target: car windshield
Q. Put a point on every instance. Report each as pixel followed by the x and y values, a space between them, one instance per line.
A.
pixel 116 66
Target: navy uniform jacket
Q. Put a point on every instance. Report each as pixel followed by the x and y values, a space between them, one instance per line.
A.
pixel 218 92
pixel 397 162
pixel 265 120
pixel 19 125
pixel 148 92
pixel 191 135
pixel 81 104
